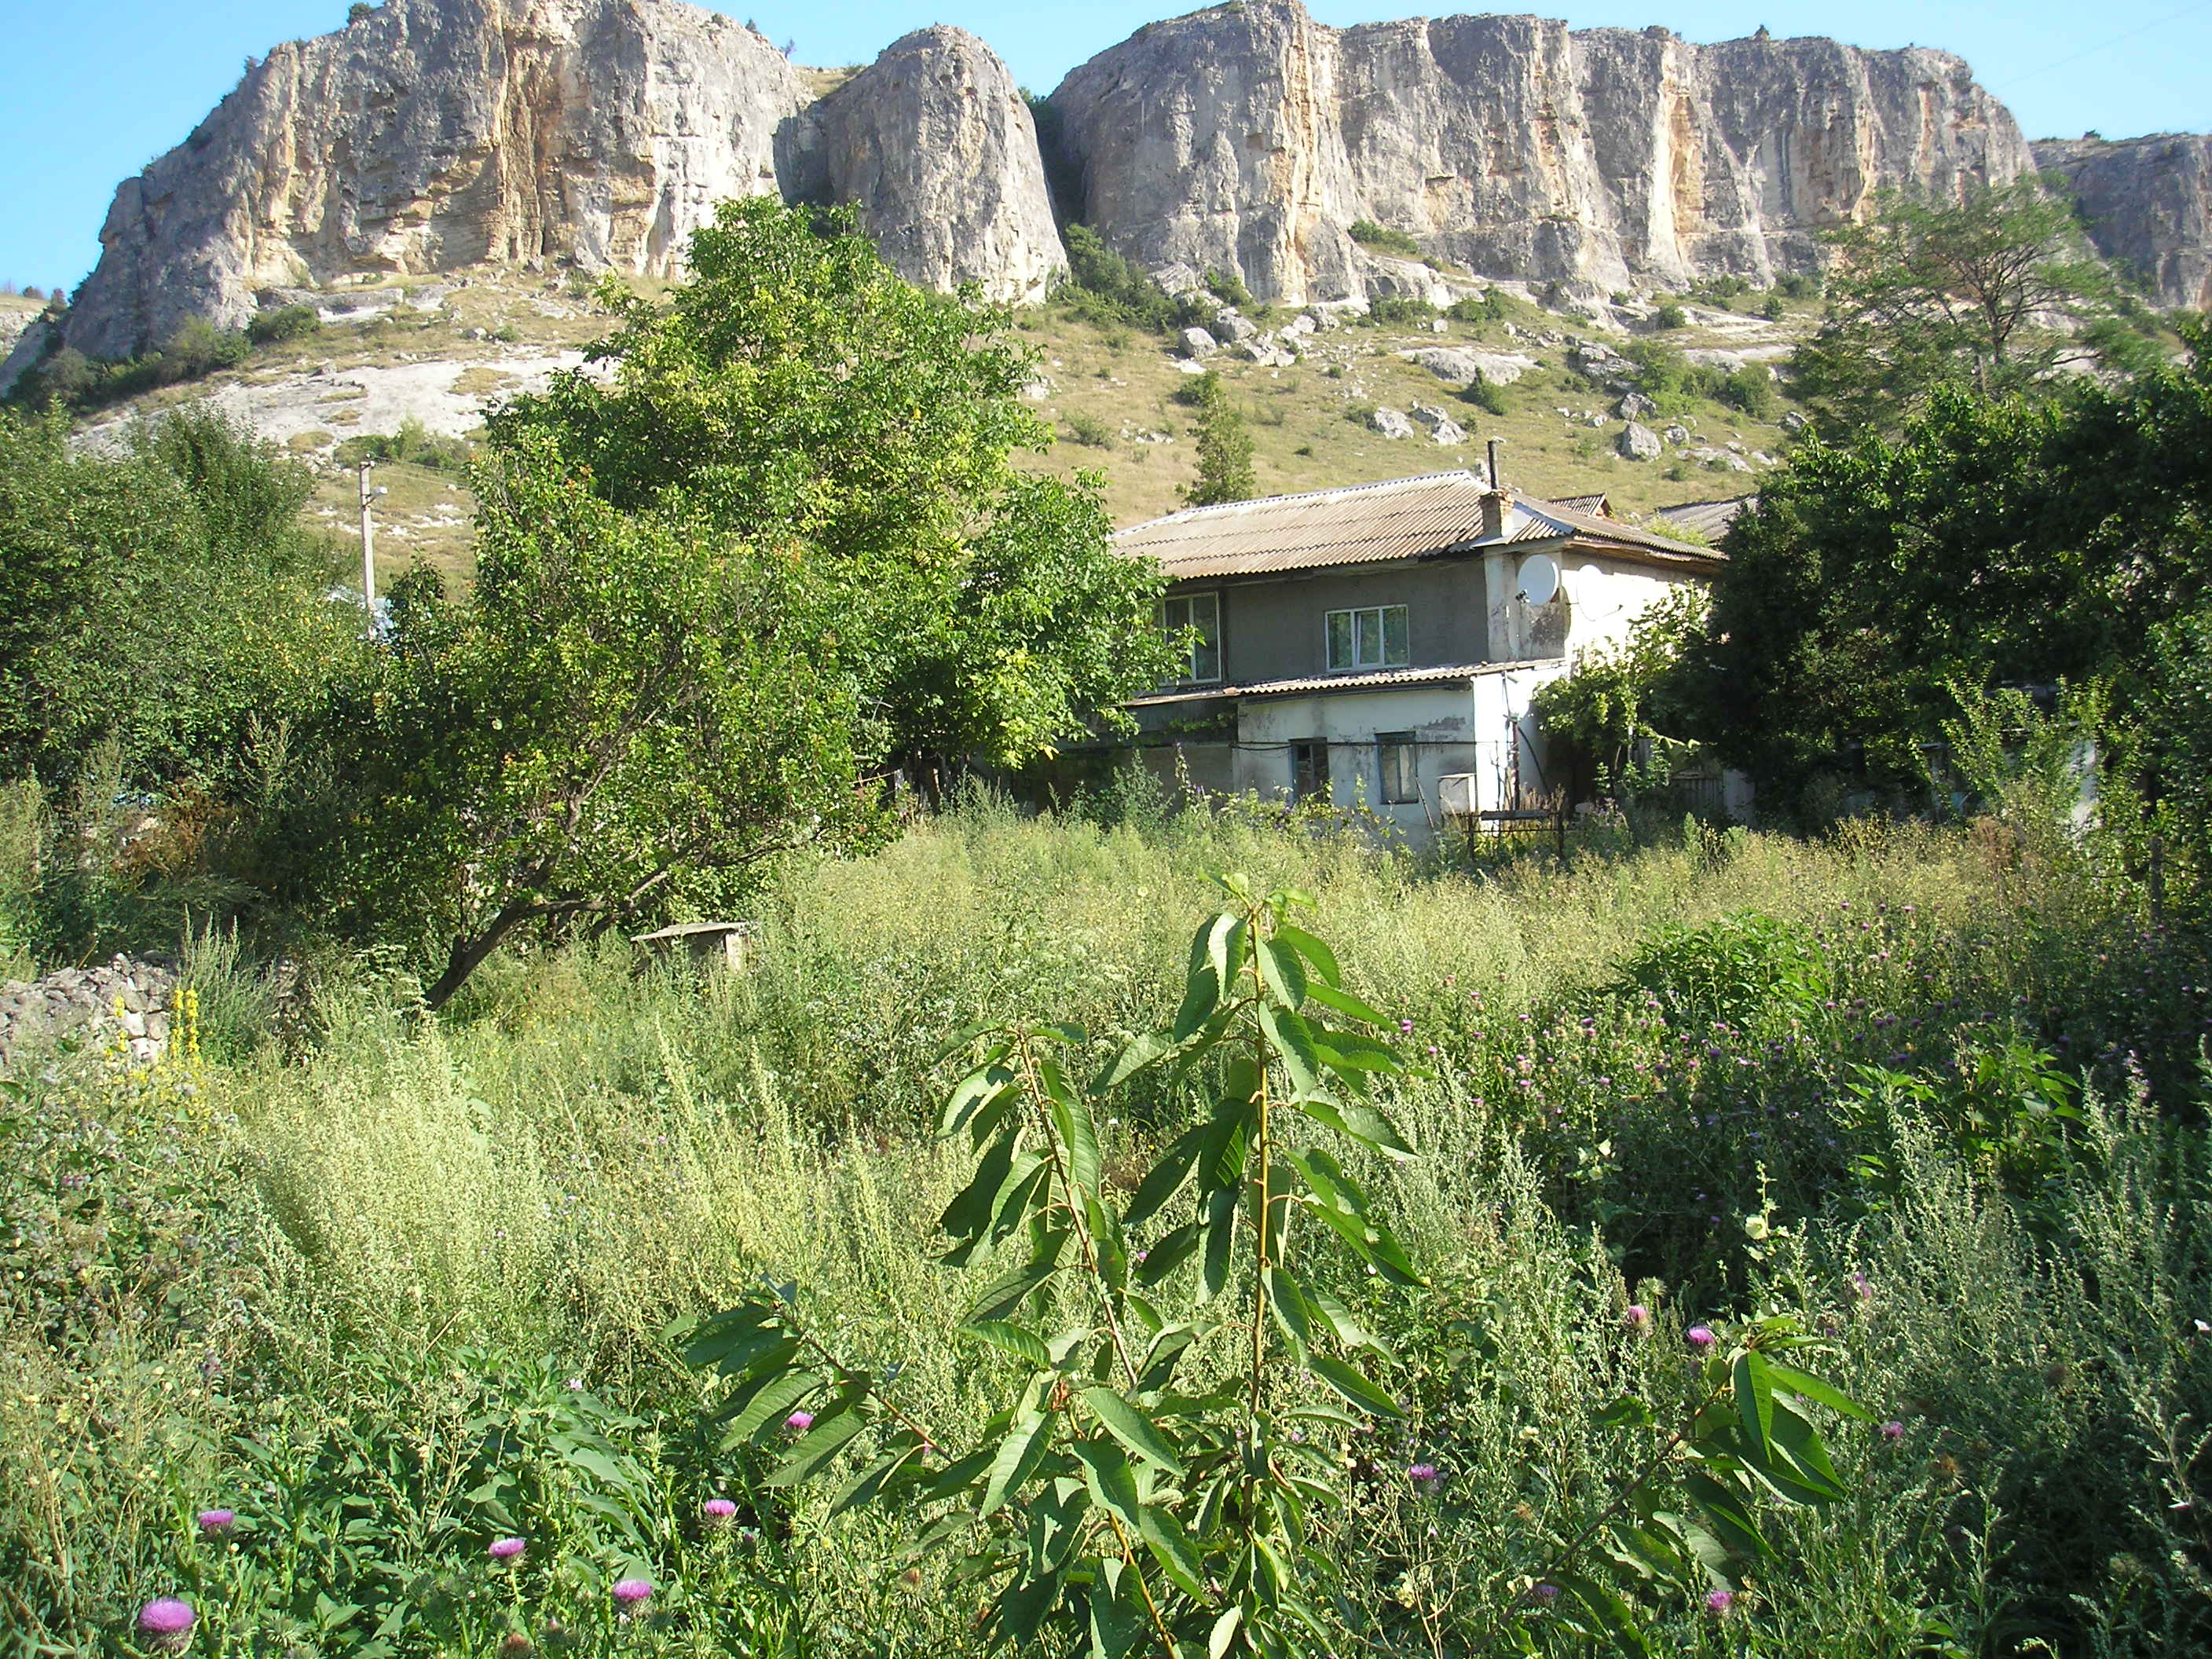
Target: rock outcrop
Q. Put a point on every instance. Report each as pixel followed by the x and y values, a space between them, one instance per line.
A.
pixel 935 144
pixel 126 1005
pixel 1249 139
pixel 2148 203
pixel 433 135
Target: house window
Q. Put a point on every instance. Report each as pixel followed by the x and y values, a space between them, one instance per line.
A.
pixel 1309 770
pixel 1194 620
pixel 1397 767
pixel 1373 638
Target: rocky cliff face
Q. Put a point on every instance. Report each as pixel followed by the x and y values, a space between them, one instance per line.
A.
pixel 433 135
pixel 2148 201
pixel 437 133
pixel 934 142
pixel 1249 138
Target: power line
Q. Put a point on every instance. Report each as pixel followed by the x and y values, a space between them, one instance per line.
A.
pixel 2118 40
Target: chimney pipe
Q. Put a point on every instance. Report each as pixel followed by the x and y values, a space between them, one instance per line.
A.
pixel 1494 501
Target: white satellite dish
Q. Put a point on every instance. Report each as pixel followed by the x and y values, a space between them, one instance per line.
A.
pixel 1540 579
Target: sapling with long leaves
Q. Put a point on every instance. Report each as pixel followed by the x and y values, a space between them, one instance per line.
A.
pixel 1170 1475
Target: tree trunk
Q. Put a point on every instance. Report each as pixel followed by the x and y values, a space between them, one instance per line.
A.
pixel 468 954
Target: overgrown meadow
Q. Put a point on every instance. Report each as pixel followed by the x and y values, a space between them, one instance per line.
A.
pixel 302 1324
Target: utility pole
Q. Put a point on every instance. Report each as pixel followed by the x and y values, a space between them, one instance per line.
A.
pixel 369 551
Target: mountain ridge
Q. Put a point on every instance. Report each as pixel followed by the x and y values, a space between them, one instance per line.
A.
pixel 429 137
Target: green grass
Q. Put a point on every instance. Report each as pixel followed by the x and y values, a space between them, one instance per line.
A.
pixel 307 1279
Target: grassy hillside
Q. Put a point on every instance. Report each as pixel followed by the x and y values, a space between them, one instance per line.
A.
pixel 435 351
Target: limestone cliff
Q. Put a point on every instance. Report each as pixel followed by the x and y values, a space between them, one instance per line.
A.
pixel 1249 138
pixel 2148 203
pixel 934 142
pixel 433 134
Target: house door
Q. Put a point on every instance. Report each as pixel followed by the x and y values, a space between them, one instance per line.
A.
pixel 1309 770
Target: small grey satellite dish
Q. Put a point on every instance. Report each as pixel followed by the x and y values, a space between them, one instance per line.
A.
pixel 1540 579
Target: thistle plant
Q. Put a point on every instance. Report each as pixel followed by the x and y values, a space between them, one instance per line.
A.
pixel 1169 1475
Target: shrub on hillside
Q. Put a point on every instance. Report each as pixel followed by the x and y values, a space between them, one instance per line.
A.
pixel 284 323
pixel 1383 239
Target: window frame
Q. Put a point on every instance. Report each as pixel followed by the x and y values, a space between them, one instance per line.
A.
pixel 1187 673
pixel 1353 614
pixel 1410 743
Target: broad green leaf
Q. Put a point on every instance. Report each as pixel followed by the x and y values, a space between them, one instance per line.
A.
pixel 1730 1516
pixel 1017 1458
pixel 972 1090
pixel 1106 1470
pixel 1013 1340
pixel 1158 1369
pixel 1802 1459
pixel 1293 1046
pixel 1625 1413
pixel 1220 1239
pixel 1282 972
pixel 1223 1633
pixel 1322 958
pixel 1132 1059
pixel 1171 1546
pixel 1754 1403
pixel 1133 1429
pixel 814 1449
pixel 1118 1625
pixel 1809 1387
pixel 771 1405
pixel 1201 997
pixel 1024 1605
pixel 969 1213
pixel 1289 1306
pixel 1349 1331
pixel 1165 1178
pixel 1347 1051
pixel 1354 1387
pixel 1615 1616
pixel 871 1482
pixel 1361 1122
pixel 1171 1251
pixel 958 1477
pixel 1343 1002
pixel 1071 1121
pixel 1009 1293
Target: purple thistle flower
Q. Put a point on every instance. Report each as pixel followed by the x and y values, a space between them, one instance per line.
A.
pixel 1720 1602
pixel 1701 1337
pixel 1546 1592
pixel 1892 1431
pixel 631 1591
pixel 167 1624
pixel 506 1549
pixel 212 1522
pixel 800 1422
pixel 1637 1318
pixel 718 1511
pixel 1424 1474
pixel 1406 1026
pixel 1862 1286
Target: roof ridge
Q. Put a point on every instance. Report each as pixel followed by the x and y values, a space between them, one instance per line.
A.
pixel 1182 514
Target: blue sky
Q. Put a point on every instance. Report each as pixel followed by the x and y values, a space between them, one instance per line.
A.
pixel 91 90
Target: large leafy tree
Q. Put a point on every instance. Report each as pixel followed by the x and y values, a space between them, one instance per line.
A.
pixel 1998 292
pixel 776 547
pixel 628 717
pixel 797 393
pixel 166 598
pixel 1995 541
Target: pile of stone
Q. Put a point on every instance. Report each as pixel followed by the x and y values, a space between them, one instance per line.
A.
pixel 127 1001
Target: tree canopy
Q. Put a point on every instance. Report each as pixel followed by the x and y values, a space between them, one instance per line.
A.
pixel 1999 292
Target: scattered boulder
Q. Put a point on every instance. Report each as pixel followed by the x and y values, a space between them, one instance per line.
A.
pixel 1636 407
pixel 1190 365
pixel 1391 423
pixel 1677 434
pixel 1794 420
pixel 1198 343
pixel 1230 326
pixel 1639 442
pixel 1441 426
pixel 1458 365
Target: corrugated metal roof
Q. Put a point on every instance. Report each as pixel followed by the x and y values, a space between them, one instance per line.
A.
pixel 1367 524
pixel 1598 506
pixel 1710 518
pixel 1388 679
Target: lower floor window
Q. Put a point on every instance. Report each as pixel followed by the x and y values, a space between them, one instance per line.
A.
pixel 1309 770
pixel 1398 764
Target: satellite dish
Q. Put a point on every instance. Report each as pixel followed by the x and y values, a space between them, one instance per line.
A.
pixel 1540 579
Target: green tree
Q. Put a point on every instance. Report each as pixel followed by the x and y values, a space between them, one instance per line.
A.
pixel 166 597
pixel 797 395
pixel 628 716
pixel 1993 542
pixel 1996 291
pixel 1224 449
pixel 1616 702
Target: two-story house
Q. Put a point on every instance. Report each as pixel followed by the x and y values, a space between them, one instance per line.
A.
pixel 1372 640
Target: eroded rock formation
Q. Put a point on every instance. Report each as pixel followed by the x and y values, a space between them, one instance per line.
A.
pixel 1249 139
pixel 433 135
pixel 2148 201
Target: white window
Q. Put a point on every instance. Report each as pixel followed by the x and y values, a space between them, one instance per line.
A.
pixel 1373 638
pixel 1398 766
pixel 1192 621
